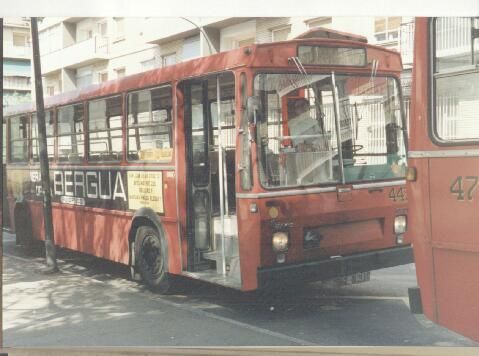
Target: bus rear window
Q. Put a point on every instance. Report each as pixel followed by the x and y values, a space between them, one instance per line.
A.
pixel 333 56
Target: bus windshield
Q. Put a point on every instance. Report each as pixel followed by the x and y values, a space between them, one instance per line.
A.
pixel 303 125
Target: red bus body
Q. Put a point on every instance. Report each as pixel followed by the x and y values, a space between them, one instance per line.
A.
pixel 443 206
pixel 355 220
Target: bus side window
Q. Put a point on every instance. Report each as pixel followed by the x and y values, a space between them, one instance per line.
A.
pixel 70 140
pixel 19 139
pixel 50 139
pixel 150 125
pixel 105 129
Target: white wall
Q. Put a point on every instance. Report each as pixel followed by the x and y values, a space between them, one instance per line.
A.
pixel 229 36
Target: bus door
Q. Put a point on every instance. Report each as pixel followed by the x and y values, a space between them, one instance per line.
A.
pixel 212 226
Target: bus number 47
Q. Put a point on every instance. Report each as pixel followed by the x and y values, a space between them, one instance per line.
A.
pixel 464 187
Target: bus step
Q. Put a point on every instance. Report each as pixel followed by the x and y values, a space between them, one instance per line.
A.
pixel 212 255
pixel 204 266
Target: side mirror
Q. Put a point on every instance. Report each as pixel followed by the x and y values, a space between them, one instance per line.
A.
pixel 255 111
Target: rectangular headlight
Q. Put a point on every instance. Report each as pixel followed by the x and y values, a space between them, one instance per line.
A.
pixel 400 224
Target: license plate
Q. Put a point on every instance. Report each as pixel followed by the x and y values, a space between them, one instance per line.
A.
pixel 360 277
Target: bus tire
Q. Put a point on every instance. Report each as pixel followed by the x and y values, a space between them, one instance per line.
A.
pixel 151 259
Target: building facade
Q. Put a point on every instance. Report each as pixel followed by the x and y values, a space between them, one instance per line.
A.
pixel 78 52
pixel 17 69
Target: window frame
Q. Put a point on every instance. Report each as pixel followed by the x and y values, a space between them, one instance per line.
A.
pixel 387 30
pixel 431 95
pixel 58 157
pixel 258 164
pixel 51 159
pixel 87 130
pixel 164 58
pixel 171 124
pixel 279 29
pixel 26 161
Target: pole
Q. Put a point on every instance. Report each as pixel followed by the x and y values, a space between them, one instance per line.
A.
pixel 50 251
pixel 221 176
pixel 1 185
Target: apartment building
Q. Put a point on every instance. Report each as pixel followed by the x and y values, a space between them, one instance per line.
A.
pixel 77 52
pixel 17 69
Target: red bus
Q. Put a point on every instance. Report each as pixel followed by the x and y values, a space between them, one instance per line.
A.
pixel 303 175
pixel 444 170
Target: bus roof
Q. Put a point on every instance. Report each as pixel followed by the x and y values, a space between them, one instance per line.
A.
pixel 266 55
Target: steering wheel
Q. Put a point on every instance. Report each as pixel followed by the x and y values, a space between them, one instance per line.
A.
pixel 357 148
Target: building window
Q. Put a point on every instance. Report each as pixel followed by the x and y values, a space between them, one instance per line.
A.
pixel 84 77
pixel 280 34
pixel 320 21
pixel 148 64
pixel 20 40
pixel 84 35
pixel 120 72
pixel 50 90
pixel 119 27
pixel 102 28
pixel 245 42
pixel 102 77
pixel 168 59
pixel 191 47
pixel 387 28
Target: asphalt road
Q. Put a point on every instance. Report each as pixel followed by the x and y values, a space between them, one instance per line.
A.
pixel 92 303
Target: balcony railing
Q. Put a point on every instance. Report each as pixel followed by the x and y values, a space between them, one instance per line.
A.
pixel 76 55
pixel 11 51
pixel 21 84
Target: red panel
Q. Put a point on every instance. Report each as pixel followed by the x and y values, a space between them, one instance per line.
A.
pixel 454 221
pixel 457 290
pixel 363 223
pixel 419 229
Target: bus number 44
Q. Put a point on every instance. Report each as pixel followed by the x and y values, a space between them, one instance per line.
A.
pixel 398 194
pixel 464 187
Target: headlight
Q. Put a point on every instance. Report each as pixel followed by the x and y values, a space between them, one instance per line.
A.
pixel 280 241
pixel 400 224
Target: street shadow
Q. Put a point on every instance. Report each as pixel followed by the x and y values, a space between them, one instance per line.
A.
pixel 70 308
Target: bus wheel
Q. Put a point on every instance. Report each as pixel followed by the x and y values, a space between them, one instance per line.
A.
pixel 150 259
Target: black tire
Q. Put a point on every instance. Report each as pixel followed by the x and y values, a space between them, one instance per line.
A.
pixel 151 259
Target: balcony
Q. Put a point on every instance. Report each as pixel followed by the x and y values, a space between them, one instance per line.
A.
pixel 11 51
pixel 17 84
pixel 77 55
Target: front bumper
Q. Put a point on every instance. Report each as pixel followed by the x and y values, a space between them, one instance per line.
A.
pixel 335 267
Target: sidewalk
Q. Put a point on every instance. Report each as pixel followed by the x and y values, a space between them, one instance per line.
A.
pixel 73 309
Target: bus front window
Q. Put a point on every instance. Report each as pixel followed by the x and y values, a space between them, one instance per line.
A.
pixel 297 136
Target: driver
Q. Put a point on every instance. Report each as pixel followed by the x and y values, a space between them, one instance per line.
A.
pixel 301 123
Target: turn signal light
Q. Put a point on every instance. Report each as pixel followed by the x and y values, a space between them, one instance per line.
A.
pixel 411 174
